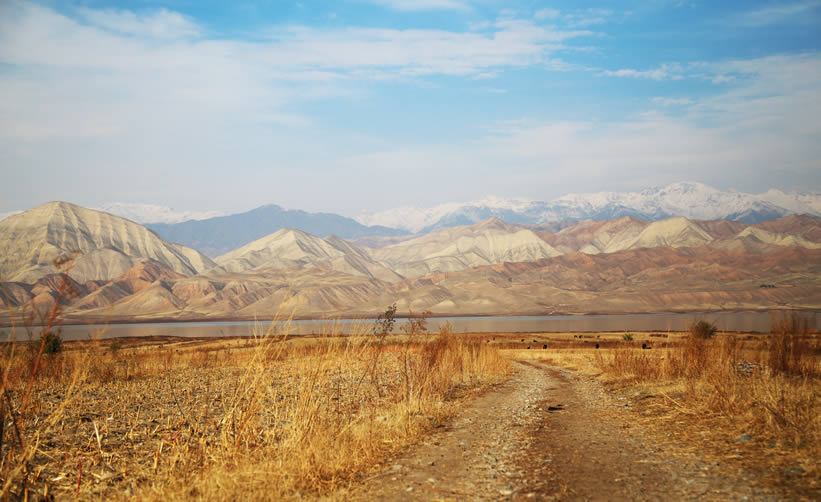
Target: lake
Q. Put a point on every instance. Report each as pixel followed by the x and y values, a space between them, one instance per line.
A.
pixel 753 322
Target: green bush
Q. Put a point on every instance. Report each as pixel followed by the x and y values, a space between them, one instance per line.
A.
pixel 53 343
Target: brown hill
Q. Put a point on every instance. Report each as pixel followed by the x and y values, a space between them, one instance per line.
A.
pixel 624 265
pixel 106 245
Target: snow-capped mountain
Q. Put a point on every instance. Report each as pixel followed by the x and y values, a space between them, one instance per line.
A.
pixel 688 199
pixel 151 213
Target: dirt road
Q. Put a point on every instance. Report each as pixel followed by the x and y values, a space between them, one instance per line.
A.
pixel 548 434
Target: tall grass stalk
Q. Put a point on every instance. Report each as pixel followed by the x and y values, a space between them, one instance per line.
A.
pixel 771 387
pixel 265 418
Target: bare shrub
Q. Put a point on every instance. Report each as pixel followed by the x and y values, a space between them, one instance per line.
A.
pixel 703 329
pixel 788 348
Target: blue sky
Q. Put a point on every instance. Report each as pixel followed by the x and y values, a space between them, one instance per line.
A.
pixel 369 104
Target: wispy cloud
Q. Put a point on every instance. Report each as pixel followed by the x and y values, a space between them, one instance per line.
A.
pixel 587 17
pixel 783 12
pixel 668 71
pixel 547 14
pixel 159 24
pixel 111 67
pixel 672 101
pixel 421 5
pixel 765 126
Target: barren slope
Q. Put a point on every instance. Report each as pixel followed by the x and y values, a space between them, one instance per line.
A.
pixel 290 248
pixel 491 241
pixel 107 245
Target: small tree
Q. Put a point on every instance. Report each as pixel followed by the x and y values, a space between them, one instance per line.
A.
pixel 417 325
pixel 703 330
pixel 384 323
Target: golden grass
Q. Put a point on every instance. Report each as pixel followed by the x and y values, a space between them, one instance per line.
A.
pixel 261 418
pixel 765 386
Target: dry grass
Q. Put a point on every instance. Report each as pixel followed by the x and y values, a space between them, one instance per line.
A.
pixel 262 418
pixel 712 391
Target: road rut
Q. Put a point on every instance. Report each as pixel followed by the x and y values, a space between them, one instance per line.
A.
pixel 549 434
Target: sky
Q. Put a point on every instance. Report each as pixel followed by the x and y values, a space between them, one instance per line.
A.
pixel 352 105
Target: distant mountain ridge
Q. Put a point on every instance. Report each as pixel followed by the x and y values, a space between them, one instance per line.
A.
pixel 689 199
pixel 153 213
pixel 125 271
pixel 219 235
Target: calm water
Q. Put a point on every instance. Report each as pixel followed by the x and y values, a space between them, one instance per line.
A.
pixel 759 322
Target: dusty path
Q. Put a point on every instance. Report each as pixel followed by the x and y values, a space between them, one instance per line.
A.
pixel 549 435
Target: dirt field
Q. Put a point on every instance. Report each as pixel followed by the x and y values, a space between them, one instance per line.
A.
pixel 578 416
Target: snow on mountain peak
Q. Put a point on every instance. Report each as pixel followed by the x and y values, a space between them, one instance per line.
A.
pixel 152 213
pixel 688 198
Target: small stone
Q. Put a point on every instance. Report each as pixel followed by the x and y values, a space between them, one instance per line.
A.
pixel 794 471
pixel 409 489
pixel 506 491
pixel 745 437
pixel 396 468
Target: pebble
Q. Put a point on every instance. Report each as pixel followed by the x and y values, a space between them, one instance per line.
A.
pixel 794 471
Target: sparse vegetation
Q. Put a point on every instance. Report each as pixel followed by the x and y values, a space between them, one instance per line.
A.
pixel 196 419
pixel 769 387
pixel 703 329
pixel 417 324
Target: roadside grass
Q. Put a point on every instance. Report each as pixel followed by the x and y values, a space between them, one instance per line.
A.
pixel 262 418
pixel 712 390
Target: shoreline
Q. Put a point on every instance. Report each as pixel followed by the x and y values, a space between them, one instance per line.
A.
pixel 5 323
pixel 366 317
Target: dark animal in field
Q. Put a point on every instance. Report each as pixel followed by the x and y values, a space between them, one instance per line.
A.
pixel 544 346
pixel 597 345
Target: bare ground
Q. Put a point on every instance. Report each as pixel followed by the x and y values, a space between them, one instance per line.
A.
pixel 549 434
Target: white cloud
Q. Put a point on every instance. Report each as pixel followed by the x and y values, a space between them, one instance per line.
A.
pixel 153 108
pixel 547 14
pixel 159 24
pixel 672 101
pixel 587 17
pixel 420 5
pixel 783 12
pixel 669 71
pixel 117 71
pixel 761 132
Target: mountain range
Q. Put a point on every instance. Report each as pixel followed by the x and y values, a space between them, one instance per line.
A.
pixel 215 234
pixel 688 199
pixel 124 271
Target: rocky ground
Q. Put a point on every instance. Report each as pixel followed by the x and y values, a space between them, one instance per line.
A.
pixel 549 434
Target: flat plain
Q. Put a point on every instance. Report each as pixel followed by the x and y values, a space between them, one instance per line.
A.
pixel 499 416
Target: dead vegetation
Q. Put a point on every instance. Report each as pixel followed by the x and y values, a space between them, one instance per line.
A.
pixel 265 417
pixel 750 399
